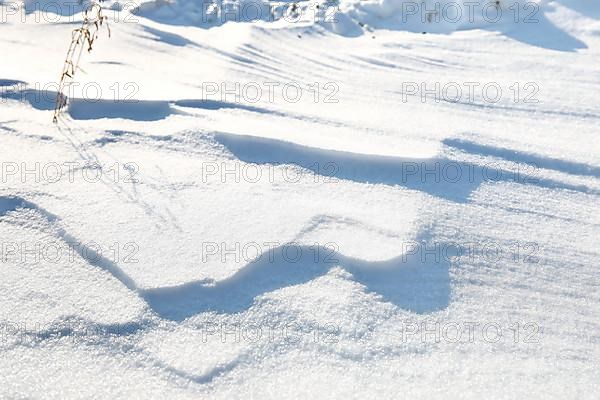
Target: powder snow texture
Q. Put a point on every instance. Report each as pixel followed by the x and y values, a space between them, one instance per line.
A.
pixel 212 225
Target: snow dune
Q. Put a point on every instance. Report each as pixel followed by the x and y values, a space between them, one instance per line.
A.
pixel 368 239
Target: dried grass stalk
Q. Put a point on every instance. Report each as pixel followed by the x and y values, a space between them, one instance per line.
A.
pixel 82 37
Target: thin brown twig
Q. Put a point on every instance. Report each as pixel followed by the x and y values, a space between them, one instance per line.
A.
pixel 93 20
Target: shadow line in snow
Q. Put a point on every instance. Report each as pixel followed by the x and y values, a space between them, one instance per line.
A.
pixel 136 110
pixel 439 176
pixel 8 204
pixel 43 100
pixel 207 104
pixel 86 109
pixel 416 280
pixel 556 164
pixel 539 31
pixel 413 281
pixel 172 39
pixel 10 82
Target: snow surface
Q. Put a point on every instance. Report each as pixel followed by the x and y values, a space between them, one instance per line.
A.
pixel 166 241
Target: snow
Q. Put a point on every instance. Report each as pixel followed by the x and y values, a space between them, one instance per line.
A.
pixel 384 235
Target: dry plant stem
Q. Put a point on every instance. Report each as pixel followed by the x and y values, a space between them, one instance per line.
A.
pixel 86 35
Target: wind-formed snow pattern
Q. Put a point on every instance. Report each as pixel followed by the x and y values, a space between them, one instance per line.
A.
pixel 203 222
